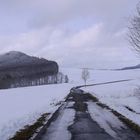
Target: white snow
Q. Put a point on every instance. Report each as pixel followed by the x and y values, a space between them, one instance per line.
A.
pixel 59 128
pixel 22 106
pixel 99 76
pixel 116 95
pixel 105 119
pixel 119 95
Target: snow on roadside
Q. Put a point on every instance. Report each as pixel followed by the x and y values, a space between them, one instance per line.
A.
pixel 105 119
pixel 118 96
pixel 58 130
pixel 22 106
pixel 115 95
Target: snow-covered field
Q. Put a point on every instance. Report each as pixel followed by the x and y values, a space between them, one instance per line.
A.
pixel 99 76
pixel 22 106
pixel 119 95
pixel 116 95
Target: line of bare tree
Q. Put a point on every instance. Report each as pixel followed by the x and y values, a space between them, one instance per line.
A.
pixel 134 30
pixel 33 80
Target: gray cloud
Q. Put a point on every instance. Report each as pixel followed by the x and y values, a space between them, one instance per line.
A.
pixel 73 32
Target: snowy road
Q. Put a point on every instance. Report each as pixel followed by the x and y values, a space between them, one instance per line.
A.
pixel 80 118
pixel 84 128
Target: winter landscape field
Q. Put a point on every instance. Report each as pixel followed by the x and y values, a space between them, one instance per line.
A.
pixel 69 70
pixel 23 106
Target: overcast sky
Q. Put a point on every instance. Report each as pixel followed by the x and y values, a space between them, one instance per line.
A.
pixel 75 33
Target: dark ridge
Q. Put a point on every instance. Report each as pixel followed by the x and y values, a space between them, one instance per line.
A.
pixel 18 69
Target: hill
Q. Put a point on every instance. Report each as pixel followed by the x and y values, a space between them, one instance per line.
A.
pixel 19 69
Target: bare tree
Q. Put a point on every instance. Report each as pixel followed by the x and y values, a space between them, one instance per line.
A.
pixel 85 75
pixel 134 30
pixel 66 79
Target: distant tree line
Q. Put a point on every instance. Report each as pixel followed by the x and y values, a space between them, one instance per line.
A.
pixel 33 80
pixel 31 75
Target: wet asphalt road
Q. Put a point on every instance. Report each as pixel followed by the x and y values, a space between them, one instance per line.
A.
pixel 83 126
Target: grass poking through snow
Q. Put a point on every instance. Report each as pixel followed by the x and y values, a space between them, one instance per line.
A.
pixel 28 131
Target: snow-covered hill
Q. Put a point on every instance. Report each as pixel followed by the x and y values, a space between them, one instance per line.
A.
pixel 15 59
pixel 23 106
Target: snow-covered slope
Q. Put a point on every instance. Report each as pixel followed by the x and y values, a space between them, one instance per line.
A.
pixel 15 59
pixel 23 106
pixel 99 76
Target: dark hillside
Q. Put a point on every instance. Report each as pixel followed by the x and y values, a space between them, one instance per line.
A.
pixel 18 69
